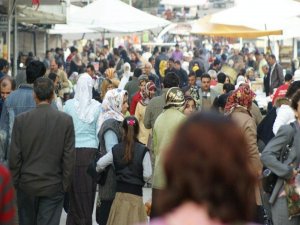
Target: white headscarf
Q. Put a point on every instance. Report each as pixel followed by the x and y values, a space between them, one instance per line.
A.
pixel 85 106
pixel 112 106
pixel 125 76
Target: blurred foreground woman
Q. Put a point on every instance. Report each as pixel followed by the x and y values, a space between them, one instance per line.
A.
pixel 208 174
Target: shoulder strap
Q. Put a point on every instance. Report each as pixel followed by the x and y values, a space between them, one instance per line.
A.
pixel 286 149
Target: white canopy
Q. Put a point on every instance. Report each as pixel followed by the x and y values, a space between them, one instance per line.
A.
pixel 181 3
pixel 116 16
pixel 263 14
pixel 71 28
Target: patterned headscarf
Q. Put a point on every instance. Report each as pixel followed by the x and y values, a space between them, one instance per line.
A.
pixel 112 106
pixel 110 73
pixel 241 97
pixel 174 98
pixel 150 86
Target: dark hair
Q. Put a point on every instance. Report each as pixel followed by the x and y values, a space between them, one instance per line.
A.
pixel 150 59
pixel 293 88
pixel 272 56
pixel 288 77
pixel 91 67
pixel 34 70
pixel 200 176
pixel 205 75
pixel 228 87
pixel 52 76
pixel 171 60
pixel 116 52
pixel 137 72
pixel 192 73
pixel 221 77
pixel 43 88
pixel 171 80
pixel 9 79
pixel 177 62
pixel 295 100
pixel 131 131
pixel 3 63
pixel 163 49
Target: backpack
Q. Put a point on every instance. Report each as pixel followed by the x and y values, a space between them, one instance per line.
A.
pixel 163 65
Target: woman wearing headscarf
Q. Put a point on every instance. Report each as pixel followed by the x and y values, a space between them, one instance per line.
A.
pixel 125 76
pixel 164 129
pixel 114 107
pixel 85 113
pixel 147 95
pixel 238 107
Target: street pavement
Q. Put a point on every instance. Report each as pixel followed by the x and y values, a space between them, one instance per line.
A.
pixel 146 196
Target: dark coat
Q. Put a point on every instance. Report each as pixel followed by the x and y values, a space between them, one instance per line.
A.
pixel 42 151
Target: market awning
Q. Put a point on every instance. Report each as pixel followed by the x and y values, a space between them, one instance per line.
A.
pixel 205 27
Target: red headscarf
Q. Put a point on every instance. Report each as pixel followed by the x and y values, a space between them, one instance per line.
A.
pixel 243 96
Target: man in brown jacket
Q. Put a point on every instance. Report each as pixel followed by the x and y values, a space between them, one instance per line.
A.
pixel 42 157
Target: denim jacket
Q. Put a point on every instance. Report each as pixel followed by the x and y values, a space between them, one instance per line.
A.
pixel 17 102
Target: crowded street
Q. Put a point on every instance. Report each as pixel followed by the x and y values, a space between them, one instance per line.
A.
pixel 164 112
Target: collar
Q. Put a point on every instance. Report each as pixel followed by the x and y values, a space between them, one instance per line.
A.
pixel 28 86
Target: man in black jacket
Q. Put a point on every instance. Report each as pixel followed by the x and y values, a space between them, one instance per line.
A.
pixel 42 160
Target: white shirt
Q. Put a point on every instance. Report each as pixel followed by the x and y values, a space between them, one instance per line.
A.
pixel 285 115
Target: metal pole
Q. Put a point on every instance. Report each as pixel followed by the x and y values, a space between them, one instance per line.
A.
pixel 8 34
pixel 15 45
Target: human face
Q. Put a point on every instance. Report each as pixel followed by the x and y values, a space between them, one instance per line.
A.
pixel 192 81
pixel 5 91
pixel 265 69
pixel 90 72
pixel 147 69
pixel 177 66
pixel 151 93
pixel 125 104
pixel 189 108
pixel 142 86
pixel 53 66
pixel 56 82
pixel 205 84
pixel 227 80
pixel 110 87
pixel 171 64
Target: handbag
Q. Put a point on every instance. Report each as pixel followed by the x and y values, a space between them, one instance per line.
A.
pixel 269 178
pixel 98 177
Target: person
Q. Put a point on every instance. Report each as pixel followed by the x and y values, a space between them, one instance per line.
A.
pixel 238 107
pixel 132 87
pixel 42 160
pixel 7 198
pixel 63 79
pixel 207 95
pixel 85 112
pixel 16 103
pixel 281 91
pixel 125 76
pixel 57 99
pixel 160 63
pixel 106 85
pixel 221 77
pixel 139 94
pixel 132 164
pixel 76 64
pixel 284 112
pixel 182 74
pixel 156 105
pixel 47 59
pixel 283 169
pixel 177 55
pixel 189 105
pixel 147 95
pixel 7 85
pixel 4 67
pixel 275 77
pixel 217 196
pixel 114 106
pixel 152 77
pixel 163 131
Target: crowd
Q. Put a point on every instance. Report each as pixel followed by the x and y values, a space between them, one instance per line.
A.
pixel 134 113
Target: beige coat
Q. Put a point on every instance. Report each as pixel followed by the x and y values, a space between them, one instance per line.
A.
pixel 144 132
pixel 246 122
